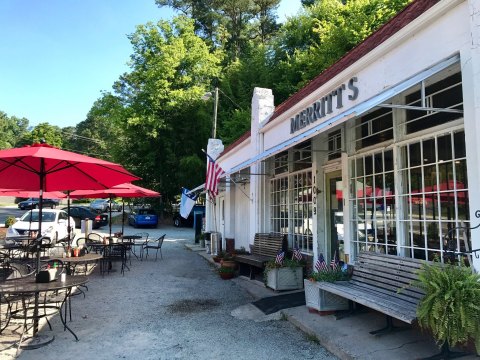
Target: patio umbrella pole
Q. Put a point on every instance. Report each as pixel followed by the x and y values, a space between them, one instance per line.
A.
pixel 69 229
pixel 123 214
pixel 110 211
pixel 38 242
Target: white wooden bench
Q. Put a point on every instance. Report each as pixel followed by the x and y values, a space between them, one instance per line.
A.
pixel 383 283
pixel 265 247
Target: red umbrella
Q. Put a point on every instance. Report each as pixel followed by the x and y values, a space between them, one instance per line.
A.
pixel 43 167
pixel 32 193
pixel 122 190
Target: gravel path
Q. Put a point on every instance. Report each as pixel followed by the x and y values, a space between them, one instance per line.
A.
pixel 175 308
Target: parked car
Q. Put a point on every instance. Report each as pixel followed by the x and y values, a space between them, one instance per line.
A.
pixel 178 220
pixel 32 203
pixel 79 213
pixel 102 205
pixel 54 225
pixel 143 217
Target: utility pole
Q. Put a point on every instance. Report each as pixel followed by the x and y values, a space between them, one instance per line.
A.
pixel 215 108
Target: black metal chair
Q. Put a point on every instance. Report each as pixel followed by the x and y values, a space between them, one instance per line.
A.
pixel 155 245
pixel 140 243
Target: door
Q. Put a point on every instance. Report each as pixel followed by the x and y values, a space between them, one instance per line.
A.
pixel 334 214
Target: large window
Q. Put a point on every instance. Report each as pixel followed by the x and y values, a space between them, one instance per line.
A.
pixel 409 195
pixel 291 209
pixel 445 93
pixel 373 202
pixel 291 203
pixel 435 195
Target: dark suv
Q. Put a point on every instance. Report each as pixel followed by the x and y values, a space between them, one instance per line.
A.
pixel 178 220
pixel 32 203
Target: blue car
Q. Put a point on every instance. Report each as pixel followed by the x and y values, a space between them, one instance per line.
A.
pixel 143 217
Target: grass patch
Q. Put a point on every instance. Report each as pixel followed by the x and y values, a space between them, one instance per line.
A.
pixel 313 338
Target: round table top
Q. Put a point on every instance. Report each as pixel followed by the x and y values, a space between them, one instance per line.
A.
pixel 78 259
pixel 28 285
pixel 131 237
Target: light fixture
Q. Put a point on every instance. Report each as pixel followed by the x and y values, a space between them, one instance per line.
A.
pixel 207 96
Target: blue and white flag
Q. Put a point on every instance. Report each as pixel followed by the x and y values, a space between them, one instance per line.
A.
pixel 187 202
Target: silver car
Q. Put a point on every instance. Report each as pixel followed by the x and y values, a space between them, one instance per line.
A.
pixel 102 205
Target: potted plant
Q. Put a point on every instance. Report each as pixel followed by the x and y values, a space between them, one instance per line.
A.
pixel 285 274
pixel 451 305
pixel 226 272
pixel 228 261
pixel 219 257
pixel 319 299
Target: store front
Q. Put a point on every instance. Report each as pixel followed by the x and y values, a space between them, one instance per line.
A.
pixel 375 154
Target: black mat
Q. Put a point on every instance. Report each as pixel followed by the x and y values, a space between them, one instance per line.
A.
pixel 272 304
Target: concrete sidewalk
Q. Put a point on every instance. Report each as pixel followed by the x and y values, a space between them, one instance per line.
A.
pixel 348 338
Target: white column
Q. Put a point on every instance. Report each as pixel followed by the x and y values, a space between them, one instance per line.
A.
pixel 229 211
pixel 470 63
pixel 214 149
pixel 262 109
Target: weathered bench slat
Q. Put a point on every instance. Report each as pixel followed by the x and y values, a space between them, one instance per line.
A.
pixel 265 247
pixel 383 283
pixel 403 294
pixel 391 284
pixel 373 301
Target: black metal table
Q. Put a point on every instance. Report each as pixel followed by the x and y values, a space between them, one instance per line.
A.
pixel 26 288
pixel 131 240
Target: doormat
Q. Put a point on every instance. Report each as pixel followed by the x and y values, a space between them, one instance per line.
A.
pixel 272 304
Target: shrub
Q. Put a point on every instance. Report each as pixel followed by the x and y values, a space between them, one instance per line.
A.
pixel 451 305
pixel 10 220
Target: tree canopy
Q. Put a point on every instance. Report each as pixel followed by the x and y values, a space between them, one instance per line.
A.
pixel 154 120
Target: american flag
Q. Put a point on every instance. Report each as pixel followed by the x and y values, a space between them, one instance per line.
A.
pixel 279 258
pixel 321 265
pixel 334 262
pixel 214 172
pixel 297 254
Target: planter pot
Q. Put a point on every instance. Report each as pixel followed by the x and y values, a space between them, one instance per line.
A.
pixel 285 278
pixel 322 300
pixel 226 276
pixel 228 264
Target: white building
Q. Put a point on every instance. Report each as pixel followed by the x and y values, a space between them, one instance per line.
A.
pixel 380 152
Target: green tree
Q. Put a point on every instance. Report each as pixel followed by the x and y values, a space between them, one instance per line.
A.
pixel 12 130
pixel 100 134
pixel 312 41
pixel 51 134
pixel 230 24
pixel 164 123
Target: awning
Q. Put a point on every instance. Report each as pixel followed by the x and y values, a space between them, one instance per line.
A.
pixel 350 113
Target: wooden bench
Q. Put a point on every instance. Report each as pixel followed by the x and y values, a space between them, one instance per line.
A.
pixel 265 247
pixel 383 283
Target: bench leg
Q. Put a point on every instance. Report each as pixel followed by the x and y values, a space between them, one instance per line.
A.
pixel 353 309
pixel 389 327
pixel 445 353
pixel 252 273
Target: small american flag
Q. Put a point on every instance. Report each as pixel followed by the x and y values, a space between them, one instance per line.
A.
pixel 279 258
pixel 334 262
pixel 214 172
pixel 297 255
pixel 321 265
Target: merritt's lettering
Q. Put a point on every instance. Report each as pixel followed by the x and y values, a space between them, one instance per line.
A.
pixel 324 106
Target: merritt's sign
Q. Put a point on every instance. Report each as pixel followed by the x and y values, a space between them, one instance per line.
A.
pixel 324 106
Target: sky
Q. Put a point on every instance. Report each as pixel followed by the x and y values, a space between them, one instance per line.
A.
pixel 57 56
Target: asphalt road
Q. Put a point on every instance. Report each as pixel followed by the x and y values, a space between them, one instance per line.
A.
pixel 6 211
pixel 177 307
